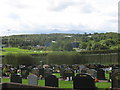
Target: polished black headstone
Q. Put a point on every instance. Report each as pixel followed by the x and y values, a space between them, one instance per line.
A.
pixel 16 78
pixel 115 80
pixel 83 81
pixel 51 80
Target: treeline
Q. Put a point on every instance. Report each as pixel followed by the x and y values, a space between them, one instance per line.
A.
pixel 61 57
pixel 64 42
pixel 18 59
pixel 75 58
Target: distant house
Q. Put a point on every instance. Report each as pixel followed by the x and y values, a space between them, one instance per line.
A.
pixel 68 36
pixel 75 44
pixel 53 41
pixel 89 36
pixel 47 44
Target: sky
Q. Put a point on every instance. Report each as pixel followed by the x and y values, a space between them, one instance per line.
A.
pixel 58 16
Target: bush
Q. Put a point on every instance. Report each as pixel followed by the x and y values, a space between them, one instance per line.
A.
pixel 62 57
pixel 18 59
pixel 72 57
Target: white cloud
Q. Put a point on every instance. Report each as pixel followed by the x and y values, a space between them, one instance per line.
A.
pixel 39 16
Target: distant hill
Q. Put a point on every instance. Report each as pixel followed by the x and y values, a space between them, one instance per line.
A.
pixel 64 42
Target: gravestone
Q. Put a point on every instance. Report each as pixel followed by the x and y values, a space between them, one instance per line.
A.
pixel 115 80
pixel 99 66
pixel 51 80
pixel 35 71
pixel 81 67
pixel 84 70
pixel 0 79
pixel 32 80
pixel 24 74
pixel 13 71
pixel 100 74
pixel 16 78
pixel 56 69
pixel 0 73
pixel 92 72
pixel 91 66
pixel 29 68
pixel 75 68
pixel 39 66
pixel 83 81
pixel 62 68
pixel 47 72
pixel 61 71
pixel 41 73
pixel 110 74
pixel 68 73
pixel 0 83
pixel 7 73
pixel 115 70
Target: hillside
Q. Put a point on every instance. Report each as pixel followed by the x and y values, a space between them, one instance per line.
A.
pixel 64 42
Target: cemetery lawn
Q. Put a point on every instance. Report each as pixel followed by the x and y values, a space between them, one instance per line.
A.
pixel 18 50
pixel 62 83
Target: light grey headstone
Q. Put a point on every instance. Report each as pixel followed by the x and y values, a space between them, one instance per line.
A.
pixel 92 72
pixel 81 67
pixel 32 80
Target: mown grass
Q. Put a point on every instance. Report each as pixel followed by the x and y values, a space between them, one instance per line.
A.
pixel 18 50
pixel 62 83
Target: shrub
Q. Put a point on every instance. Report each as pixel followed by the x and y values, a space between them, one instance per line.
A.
pixel 62 57
pixel 18 59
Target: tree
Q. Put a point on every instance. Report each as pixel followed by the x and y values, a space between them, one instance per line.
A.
pixel 18 59
pixel 67 46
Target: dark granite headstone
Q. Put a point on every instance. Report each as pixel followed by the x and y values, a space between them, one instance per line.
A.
pixel 56 69
pixel 24 74
pixel 13 71
pixel 91 66
pixel 75 67
pixel 83 81
pixel 116 80
pixel 16 78
pixel 0 79
pixel 84 70
pixel 115 70
pixel 51 80
pixel 0 73
pixel 41 73
pixel 35 71
pixel 61 71
pixel 68 73
pixel 47 72
pixel 100 74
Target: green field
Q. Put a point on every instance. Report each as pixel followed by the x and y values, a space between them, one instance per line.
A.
pixel 17 50
pixel 62 83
